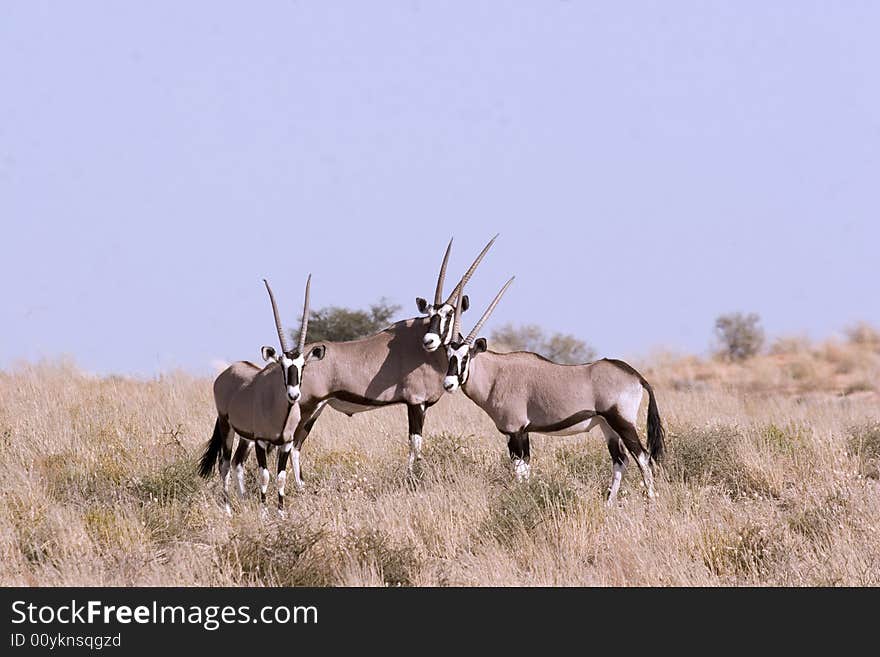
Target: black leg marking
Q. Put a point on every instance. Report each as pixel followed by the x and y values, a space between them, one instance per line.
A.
pixel 225 461
pixel 518 445
pixel 261 461
pixel 616 449
pixel 238 460
pixel 241 452
pixel 415 414
pixel 630 438
pixel 626 430
pixel 282 467
pixel 302 432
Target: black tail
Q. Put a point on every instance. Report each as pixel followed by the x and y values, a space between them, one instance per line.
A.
pixel 656 432
pixel 212 449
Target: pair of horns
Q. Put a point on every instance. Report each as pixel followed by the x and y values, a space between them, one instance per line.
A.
pixel 456 293
pixel 456 327
pixel 304 325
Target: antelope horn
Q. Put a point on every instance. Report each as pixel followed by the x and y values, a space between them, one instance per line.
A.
pixel 438 293
pixel 470 272
pixel 284 346
pixel 304 324
pixel 473 334
pixel 456 326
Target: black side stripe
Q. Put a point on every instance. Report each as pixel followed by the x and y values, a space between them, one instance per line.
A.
pixel 570 421
pixel 352 398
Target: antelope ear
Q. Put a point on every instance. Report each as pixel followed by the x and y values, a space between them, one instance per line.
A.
pixel 422 305
pixel 465 303
pixel 479 346
pixel 317 353
pixel 268 353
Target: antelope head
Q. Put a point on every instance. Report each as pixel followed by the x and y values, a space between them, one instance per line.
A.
pixel 462 352
pixel 291 360
pixel 440 313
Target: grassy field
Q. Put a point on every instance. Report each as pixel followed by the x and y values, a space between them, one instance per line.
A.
pixel 771 478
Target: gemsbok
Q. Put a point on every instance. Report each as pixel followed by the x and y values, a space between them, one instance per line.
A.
pixel 525 393
pixel 402 364
pixel 260 404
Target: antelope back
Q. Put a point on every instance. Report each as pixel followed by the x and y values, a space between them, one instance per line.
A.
pixel 229 382
pixel 259 409
pixel 388 367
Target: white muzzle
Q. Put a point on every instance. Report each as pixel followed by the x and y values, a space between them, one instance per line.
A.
pixel 450 383
pixel 431 341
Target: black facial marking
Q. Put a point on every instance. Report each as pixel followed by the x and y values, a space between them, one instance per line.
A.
pixel 434 326
pixel 453 367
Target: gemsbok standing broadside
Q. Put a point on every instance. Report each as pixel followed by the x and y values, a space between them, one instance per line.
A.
pixel 260 404
pixel 402 364
pixel 525 393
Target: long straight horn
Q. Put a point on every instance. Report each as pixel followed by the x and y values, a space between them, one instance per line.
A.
pixel 438 293
pixel 284 346
pixel 471 270
pixel 456 326
pixel 304 324
pixel 473 334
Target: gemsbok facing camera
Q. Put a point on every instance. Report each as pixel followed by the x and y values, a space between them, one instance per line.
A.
pixel 525 393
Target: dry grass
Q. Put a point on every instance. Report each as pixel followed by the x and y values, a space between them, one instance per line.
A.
pixel 771 479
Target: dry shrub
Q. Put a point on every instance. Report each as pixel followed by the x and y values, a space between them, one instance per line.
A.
pixel 860 385
pixel 804 371
pixel 37 531
pixel 398 565
pixel 843 358
pixel 863 334
pixel 459 454
pixel 745 550
pixel 177 481
pixel 864 443
pixel 588 465
pixel 789 345
pixel 739 462
pixel 705 456
pixel 818 518
pixel 523 507
pixel 277 553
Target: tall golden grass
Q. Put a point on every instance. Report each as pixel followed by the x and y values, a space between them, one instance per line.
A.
pixel 771 479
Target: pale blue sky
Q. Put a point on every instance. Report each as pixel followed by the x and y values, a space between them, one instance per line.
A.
pixel 648 164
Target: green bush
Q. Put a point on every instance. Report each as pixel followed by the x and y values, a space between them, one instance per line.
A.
pixel 739 336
